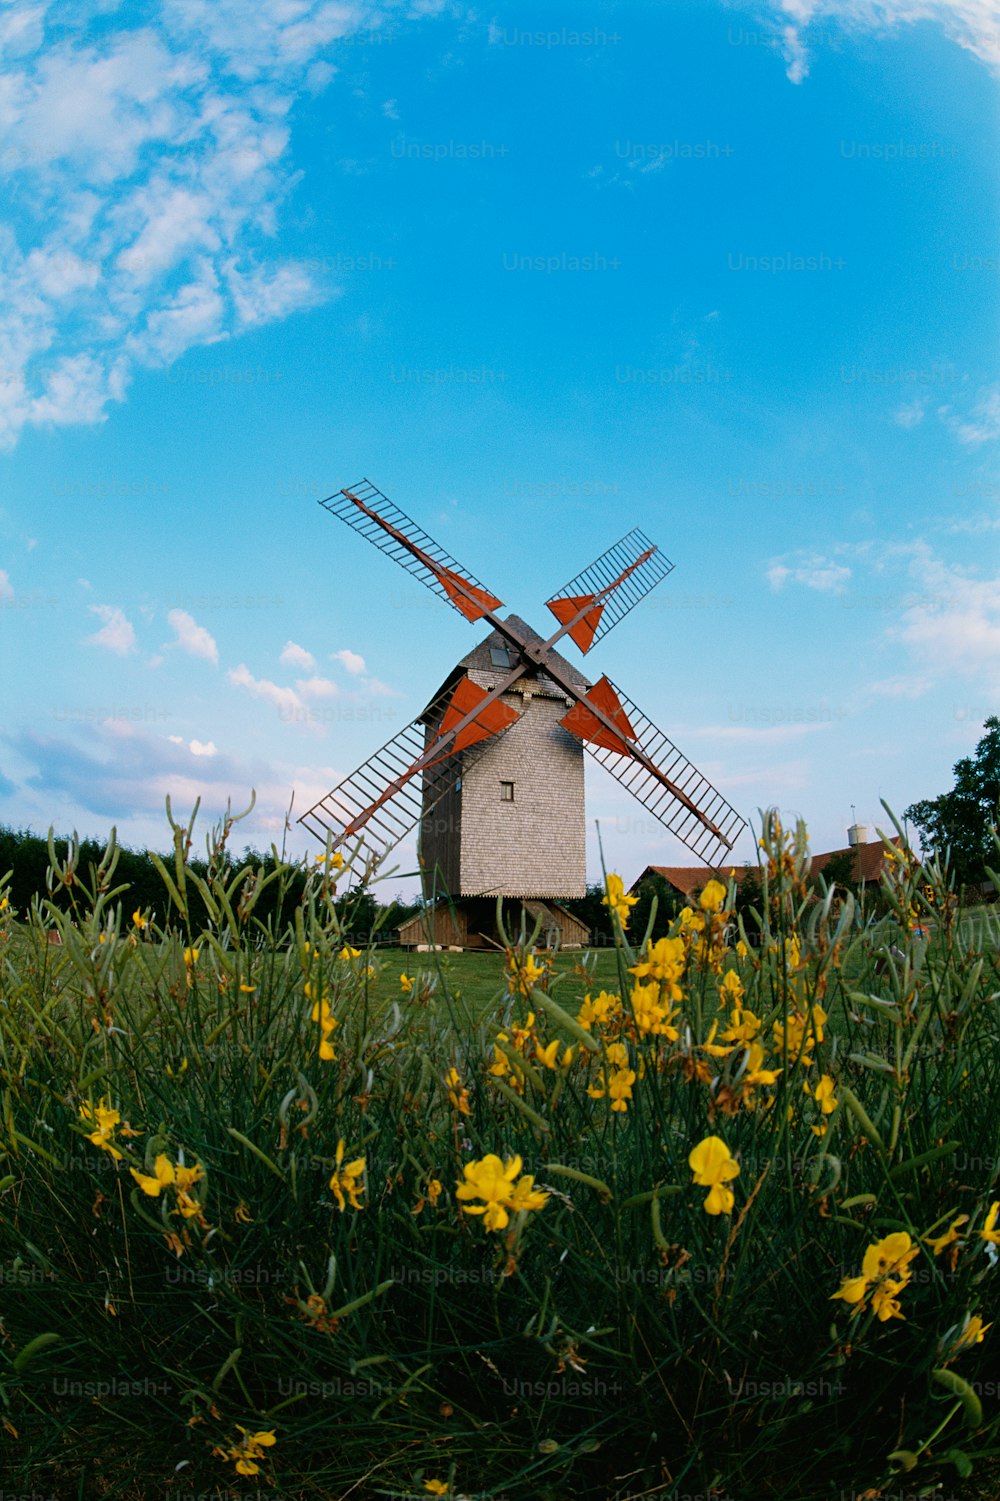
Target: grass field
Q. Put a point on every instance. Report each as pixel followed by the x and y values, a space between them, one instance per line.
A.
pixel 275 1223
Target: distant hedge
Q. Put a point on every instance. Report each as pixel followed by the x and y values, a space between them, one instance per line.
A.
pixel 26 856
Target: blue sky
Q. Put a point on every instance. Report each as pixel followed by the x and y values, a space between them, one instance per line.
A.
pixel 728 272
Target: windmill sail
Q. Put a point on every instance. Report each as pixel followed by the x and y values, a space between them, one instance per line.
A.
pixel 655 772
pixel 372 514
pixel 593 603
pixel 380 802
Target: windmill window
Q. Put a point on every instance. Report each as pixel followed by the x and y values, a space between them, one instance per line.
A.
pixel 500 656
pixel 506 792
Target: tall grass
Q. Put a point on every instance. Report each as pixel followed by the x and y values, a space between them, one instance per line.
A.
pixel 289 1296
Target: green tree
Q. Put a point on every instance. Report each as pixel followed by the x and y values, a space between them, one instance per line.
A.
pixel 961 821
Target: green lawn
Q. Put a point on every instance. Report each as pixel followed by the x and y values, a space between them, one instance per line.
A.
pixel 476 980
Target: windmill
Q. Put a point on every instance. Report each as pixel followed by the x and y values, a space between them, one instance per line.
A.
pixel 498 788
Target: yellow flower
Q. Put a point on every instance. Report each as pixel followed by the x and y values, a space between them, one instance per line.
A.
pixel 4 904
pixel 743 1025
pixel 971 1335
pixel 406 984
pixel 885 1299
pixel 712 897
pixel 346 1183
pixel 328 1024
pixel 181 1070
pixel 731 989
pixel 248 989
pixel 713 1168
pixel 755 1074
pixel 891 1254
pixel 598 1011
pixel 885 1272
pixel 523 973
pixel 823 1094
pixel 191 957
pixel 620 1088
pixel 336 860
pixel 852 1290
pixel 501 1063
pixel 176 1176
pixel 436 1487
pixel 435 1188
pixel 104 1120
pixel 664 962
pixel 492 1181
pixel 525 1195
pixel 616 900
pixel 458 1094
pixel 245 1453
pixel 650 1016
pixel 939 1243
pixel 989 1232
pixel 549 1055
pixel 138 921
pixel 348 953
pixel 713 1048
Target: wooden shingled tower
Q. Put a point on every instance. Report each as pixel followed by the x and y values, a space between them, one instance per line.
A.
pixel 492 770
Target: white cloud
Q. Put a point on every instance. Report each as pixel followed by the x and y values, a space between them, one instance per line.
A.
pixel 953 625
pixel 317 687
pixel 148 159
pixel 286 700
pixel 812 570
pixel 775 734
pixel 6 588
pixel 390 109
pixel 378 689
pixel 192 637
pixel 901 686
pixel 349 660
pixel 911 414
pixel 971 24
pixel 116 634
pixel 204 748
pixel 983 423
pixel 293 655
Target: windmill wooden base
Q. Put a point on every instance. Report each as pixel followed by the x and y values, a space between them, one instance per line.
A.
pixel 471 923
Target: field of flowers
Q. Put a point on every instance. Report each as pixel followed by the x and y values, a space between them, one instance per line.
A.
pixel 728 1229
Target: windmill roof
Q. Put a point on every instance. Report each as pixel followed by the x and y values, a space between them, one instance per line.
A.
pixel 690 878
pixel 484 671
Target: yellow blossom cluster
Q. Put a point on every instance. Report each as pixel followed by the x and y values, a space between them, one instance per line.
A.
pixel 524 972
pixel 328 1023
pixel 105 1122
pixel 458 1093
pixel 617 901
pixel 799 1033
pixel 616 1079
pixel 245 1451
pixel 885 1272
pixel 493 1181
pixel 347 1180
pixel 176 1176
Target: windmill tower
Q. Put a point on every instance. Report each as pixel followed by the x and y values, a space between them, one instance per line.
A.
pixel 493 767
